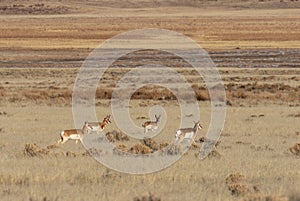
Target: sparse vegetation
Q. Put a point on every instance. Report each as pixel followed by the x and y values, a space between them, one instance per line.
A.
pixel 44 43
pixel 236 92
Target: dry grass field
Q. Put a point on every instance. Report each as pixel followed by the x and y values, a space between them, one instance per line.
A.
pixel 254 44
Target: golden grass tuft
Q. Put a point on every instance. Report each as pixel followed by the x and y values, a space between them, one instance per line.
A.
pixel 295 149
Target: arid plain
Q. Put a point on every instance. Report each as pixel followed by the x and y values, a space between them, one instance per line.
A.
pixel 255 46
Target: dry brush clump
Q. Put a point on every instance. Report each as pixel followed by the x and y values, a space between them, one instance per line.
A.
pixel 121 149
pixel 295 149
pixel 237 184
pixel 294 115
pixel 146 146
pixel 201 93
pixel 70 154
pixel 261 197
pixel 92 152
pixel 33 150
pixel 153 93
pixel 140 148
pixel 152 144
pixel 104 93
pixel 163 145
pixel 150 197
pixel 149 142
pixel 42 199
pixel 255 91
pixel 235 178
pixel 214 154
pixel 52 146
pixel 114 136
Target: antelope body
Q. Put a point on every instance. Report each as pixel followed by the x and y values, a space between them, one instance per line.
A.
pixel 187 133
pixel 99 126
pixel 151 125
pixel 74 134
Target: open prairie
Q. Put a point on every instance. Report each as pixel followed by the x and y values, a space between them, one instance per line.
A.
pixel 256 48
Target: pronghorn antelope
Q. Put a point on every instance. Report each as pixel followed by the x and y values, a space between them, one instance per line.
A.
pixel 187 133
pixel 99 126
pixel 74 134
pixel 151 125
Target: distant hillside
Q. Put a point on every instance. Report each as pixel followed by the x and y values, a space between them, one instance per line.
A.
pixel 75 6
pixel 193 3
